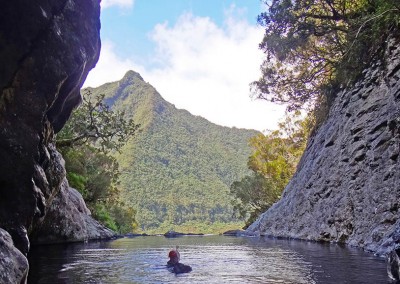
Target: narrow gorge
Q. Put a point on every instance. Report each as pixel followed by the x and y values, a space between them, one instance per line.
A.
pixel 346 188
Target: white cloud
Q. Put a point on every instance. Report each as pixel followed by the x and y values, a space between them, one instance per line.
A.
pixel 207 70
pixel 110 67
pixel 203 68
pixel 119 3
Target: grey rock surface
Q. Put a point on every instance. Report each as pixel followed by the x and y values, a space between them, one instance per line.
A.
pixel 347 185
pixel 13 264
pixel 68 220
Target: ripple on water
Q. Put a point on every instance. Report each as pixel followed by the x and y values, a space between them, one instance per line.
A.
pixel 214 259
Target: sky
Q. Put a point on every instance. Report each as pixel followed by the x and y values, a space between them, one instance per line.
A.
pixel 200 55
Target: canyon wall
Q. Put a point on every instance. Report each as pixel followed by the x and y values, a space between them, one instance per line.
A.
pixel 46 51
pixel 347 185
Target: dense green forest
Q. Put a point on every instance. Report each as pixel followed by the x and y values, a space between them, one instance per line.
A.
pixel 176 172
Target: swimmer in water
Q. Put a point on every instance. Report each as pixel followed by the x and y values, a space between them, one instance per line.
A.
pixel 174 265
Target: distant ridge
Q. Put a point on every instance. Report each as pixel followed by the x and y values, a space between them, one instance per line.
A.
pixel 178 170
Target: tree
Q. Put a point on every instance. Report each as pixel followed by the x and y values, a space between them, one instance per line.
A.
pixel 253 194
pixel 94 123
pixel 275 155
pixel 93 173
pixel 273 162
pixel 315 47
pixel 86 141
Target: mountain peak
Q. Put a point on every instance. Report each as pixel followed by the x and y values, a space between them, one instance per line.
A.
pixel 131 75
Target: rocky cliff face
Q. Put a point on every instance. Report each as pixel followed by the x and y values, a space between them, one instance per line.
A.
pixel 347 186
pixel 46 51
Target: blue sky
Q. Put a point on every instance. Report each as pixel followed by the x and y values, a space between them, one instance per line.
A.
pixel 201 55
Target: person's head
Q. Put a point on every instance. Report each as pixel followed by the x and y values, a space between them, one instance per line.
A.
pixel 173 256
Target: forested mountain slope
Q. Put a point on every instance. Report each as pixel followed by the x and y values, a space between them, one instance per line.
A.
pixel 178 169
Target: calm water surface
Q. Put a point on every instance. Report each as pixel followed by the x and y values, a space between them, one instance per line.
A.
pixel 214 259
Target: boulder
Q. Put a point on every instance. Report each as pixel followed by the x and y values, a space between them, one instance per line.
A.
pixel 133 235
pixel 173 234
pixel 234 233
pixel 68 220
pixel 13 264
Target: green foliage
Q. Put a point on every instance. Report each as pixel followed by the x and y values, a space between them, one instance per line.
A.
pixel 94 123
pixel 314 47
pixel 117 217
pixel 273 162
pixel 91 172
pixel 275 155
pixel 253 194
pixel 101 214
pixel 78 182
pixel 178 169
pixel 92 133
pixel 95 175
pixel 124 218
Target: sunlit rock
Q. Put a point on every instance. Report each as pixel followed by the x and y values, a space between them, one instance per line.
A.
pixel 346 188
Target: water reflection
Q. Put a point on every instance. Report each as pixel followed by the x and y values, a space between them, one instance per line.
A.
pixel 214 259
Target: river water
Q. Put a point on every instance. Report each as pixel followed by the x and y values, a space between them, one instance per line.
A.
pixel 214 259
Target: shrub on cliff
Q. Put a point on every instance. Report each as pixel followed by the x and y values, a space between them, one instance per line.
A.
pixel 86 141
